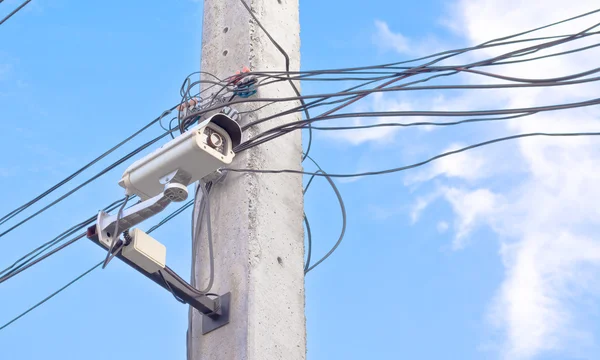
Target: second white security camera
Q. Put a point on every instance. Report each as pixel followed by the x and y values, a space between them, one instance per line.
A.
pixel 191 156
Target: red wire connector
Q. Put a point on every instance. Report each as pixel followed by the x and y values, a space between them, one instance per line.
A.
pixel 190 104
pixel 243 85
pixel 238 75
pixel 189 107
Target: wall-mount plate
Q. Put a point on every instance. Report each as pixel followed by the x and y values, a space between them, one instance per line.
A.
pixel 209 324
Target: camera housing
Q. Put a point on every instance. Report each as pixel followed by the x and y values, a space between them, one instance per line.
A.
pixel 191 156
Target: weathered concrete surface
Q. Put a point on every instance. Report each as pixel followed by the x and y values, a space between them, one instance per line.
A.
pixel 257 218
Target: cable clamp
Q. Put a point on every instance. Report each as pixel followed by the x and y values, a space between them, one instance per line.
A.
pixel 232 113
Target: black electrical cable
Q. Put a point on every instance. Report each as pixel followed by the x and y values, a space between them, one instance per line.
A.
pixel 312 177
pixel 160 121
pixel 186 121
pixel 187 82
pixel 430 87
pixel 185 93
pixel 25 259
pixel 392 66
pixel 436 123
pixel 322 97
pixel 172 215
pixel 492 43
pixel 514 53
pixel 534 81
pixel 48 254
pixel 308 232
pixel 404 87
pixel 16 211
pixel 184 283
pixel 422 123
pixel 403 168
pixel 38 257
pixel 116 234
pixel 309 243
pixel 171 128
pixel 169 288
pixel 343 210
pixel 51 296
pixel 72 191
pixel 534 48
pixel 380 88
pixel 247 100
pixel 520 52
pixel 116 250
pixel 14 11
pixel 475 86
pixel 287 69
pixel 195 230
pixel 275 134
pixel 66 286
pixel 424 67
pixel 487 44
pixel 309 77
pixel 211 259
pixel 35 253
pixel 549 55
pixel 488 86
pixel 460 51
pixel 321 102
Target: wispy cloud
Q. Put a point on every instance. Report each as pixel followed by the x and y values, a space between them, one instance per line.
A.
pixel 442 227
pixel 422 203
pixel 374 103
pixel 472 208
pixel 546 218
pixel 466 165
pixel 388 40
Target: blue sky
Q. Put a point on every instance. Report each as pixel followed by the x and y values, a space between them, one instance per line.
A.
pixel 487 255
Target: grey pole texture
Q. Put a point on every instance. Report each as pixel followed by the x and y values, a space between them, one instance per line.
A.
pixel 256 218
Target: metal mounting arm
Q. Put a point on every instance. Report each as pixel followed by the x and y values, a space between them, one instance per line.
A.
pixel 174 192
pixel 215 311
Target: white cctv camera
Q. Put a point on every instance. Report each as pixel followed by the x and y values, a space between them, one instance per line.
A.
pixel 186 159
pixel 162 176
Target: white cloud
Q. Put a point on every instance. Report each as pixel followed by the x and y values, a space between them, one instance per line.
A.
pixel 546 218
pixel 385 102
pixel 546 272
pixel 471 208
pixel 388 40
pixel 466 165
pixel 348 180
pixel 422 203
pixel 385 39
pixel 377 102
pixel 418 208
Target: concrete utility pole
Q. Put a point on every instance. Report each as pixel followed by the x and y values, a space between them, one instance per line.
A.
pixel 256 218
